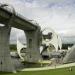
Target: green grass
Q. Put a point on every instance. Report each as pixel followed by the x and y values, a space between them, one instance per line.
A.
pixel 13 47
pixel 64 71
pixel 34 65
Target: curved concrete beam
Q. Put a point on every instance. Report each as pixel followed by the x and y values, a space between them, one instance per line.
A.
pixel 19 48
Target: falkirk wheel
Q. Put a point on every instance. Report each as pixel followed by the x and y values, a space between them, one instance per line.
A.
pixel 9 19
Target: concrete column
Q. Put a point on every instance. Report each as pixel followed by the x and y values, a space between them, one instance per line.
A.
pixel 33 46
pixel 5 58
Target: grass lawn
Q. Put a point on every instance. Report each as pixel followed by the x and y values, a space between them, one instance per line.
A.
pixel 64 71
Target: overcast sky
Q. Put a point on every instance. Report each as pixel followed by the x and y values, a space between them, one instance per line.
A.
pixel 57 14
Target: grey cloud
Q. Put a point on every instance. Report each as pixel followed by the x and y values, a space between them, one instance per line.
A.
pixel 59 16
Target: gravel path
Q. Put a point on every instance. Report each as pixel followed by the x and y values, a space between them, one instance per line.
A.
pixel 47 68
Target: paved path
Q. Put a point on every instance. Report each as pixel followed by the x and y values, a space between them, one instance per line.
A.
pixel 47 68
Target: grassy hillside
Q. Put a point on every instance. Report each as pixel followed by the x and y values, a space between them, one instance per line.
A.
pixel 64 71
pixel 13 47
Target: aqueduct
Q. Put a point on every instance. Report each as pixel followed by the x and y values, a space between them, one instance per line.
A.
pixel 32 31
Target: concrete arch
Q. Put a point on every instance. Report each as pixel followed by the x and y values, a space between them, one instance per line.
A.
pixel 19 47
pixel 32 31
pixel 70 56
pixel 55 40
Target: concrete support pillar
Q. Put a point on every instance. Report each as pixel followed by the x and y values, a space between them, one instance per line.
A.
pixel 5 58
pixel 33 46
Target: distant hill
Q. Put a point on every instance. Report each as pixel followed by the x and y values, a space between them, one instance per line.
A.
pixel 68 40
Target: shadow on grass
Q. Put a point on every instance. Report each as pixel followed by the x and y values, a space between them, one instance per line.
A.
pixel 3 73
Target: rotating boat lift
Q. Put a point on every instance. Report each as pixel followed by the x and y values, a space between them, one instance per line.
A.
pixel 50 42
pixel 10 18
